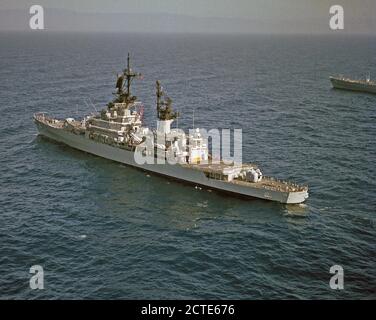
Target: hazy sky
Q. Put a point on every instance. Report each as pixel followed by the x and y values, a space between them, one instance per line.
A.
pixel 302 14
pixel 201 8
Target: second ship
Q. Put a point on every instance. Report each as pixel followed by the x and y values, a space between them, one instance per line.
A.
pixel 117 133
pixel 344 83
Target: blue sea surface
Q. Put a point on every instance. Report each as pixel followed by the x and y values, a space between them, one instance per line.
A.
pixel 101 230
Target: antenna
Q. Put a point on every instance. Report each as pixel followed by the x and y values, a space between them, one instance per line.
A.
pixel 193 118
pixel 159 95
pixel 164 107
pixel 124 81
pixel 87 104
pixel 128 76
pixel 93 105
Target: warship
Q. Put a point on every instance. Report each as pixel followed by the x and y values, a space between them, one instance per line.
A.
pixel 344 83
pixel 117 133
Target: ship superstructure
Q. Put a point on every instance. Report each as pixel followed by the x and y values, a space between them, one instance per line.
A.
pixel 118 133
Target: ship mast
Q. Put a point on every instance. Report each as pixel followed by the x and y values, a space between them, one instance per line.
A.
pixel 164 107
pixel 159 94
pixel 128 75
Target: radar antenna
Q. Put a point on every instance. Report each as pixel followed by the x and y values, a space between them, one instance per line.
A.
pixel 124 81
pixel 164 106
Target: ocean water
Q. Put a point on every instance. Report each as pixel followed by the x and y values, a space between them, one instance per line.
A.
pixel 101 230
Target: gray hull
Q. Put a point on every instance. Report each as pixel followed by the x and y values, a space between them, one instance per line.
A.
pixel 177 171
pixel 353 85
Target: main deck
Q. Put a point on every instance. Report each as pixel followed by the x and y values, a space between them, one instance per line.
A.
pixel 220 170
